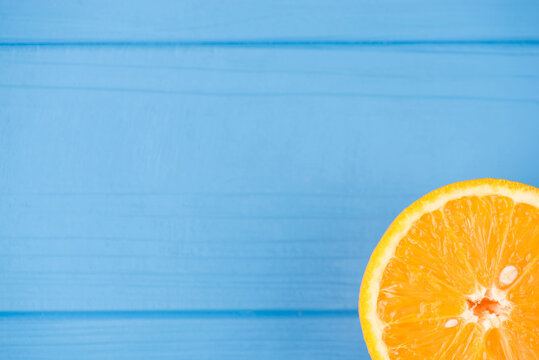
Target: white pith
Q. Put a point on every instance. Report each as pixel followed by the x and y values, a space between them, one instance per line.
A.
pixel 488 321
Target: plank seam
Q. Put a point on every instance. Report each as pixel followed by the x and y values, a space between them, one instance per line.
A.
pixel 273 43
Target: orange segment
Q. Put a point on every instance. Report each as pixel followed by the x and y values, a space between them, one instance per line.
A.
pixel 465 345
pixel 456 277
pixel 497 346
pixel 404 298
pixel 432 340
pixel 525 289
pixel 480 223
pixel 522 239
pixel 417 282
pixel 423 338
pixel 430 247
pixel 524 338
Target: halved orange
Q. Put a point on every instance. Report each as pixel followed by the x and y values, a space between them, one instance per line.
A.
pixel 455 277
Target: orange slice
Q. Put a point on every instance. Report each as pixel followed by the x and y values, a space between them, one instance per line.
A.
pixel 455 277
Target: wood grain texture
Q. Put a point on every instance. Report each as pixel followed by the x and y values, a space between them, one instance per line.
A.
pixel 314 20
pixel 238 178
pixel 177 338
pixel 206 179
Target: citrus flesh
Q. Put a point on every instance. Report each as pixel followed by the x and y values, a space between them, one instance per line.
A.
pixel 456 276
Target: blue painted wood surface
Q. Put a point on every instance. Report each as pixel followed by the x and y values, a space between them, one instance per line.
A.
pixel 207 20
pixel 163 196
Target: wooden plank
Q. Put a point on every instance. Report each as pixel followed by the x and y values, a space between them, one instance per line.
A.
pixel 173 338
pixel 237 179
pixel 239 20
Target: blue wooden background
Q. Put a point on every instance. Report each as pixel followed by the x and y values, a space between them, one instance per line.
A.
pixel 206 179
